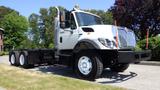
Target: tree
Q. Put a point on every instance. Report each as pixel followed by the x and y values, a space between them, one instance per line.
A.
pixel 4 11
pixel 47 25
pixel 33 32
pixel 139 15
pixel 42 27
pixel 15 27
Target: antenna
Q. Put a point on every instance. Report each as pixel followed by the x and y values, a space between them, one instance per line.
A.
pixel 77 6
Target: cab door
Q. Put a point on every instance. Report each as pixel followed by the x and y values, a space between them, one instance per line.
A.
pixel 69 35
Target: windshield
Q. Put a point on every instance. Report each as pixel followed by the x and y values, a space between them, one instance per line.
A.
pixel 85 19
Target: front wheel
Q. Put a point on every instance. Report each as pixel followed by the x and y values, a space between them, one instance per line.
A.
pixel 119 67
pixel 88 65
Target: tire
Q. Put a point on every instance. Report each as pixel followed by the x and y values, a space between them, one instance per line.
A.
pixel 88 66
pixel 13 58
pixel 23 60
pixel 119 67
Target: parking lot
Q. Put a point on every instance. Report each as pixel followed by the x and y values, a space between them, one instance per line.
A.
pixel 136 77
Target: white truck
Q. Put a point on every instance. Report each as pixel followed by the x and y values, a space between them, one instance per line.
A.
pixel 83 42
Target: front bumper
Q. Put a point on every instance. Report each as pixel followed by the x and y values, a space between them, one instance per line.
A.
pixel 133 56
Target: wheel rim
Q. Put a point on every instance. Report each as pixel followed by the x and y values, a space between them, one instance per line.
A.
pixel 21 59
pixel 13 59
pixel 85 65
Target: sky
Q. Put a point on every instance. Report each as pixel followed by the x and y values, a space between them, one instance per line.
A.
pixel 27 7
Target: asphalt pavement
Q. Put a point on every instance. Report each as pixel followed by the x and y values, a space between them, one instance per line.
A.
pixel 136 77
pixel 143 76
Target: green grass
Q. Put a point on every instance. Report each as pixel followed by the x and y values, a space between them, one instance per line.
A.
pixel 13 78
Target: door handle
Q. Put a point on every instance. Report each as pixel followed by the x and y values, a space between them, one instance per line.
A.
pixel 60 39
pixel 62 32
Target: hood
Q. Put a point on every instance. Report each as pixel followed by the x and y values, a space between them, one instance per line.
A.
pixel 100 31
pixel 126 37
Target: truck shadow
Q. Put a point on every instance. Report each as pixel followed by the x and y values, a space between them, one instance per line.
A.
pixel 57 70
pixel 107 75
pixel 110 77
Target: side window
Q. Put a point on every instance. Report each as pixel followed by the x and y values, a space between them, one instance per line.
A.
pixel 64 19
pixel 72 22
pixel 67 20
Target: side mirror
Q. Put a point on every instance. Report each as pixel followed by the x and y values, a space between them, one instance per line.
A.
pixel 62 25
pixel 62 19
pixel 73 26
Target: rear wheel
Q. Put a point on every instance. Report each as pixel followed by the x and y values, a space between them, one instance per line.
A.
pixel 13 58
pixel 119 67
pixel 88 66
pixel 23 60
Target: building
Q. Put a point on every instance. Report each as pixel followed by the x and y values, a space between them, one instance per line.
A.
pixel 1 39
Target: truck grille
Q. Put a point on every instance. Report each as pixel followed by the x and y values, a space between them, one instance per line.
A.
pixel 126 38
pixel 122 41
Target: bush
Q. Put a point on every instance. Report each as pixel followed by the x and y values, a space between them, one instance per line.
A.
pixel 137 48
pixel 154 45
pixel 3 53
pixel 51 45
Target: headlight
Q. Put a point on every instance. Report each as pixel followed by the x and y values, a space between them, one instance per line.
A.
pixel 106 42
pixel 102 41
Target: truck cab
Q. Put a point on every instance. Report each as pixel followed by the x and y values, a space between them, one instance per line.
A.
pixel 76 26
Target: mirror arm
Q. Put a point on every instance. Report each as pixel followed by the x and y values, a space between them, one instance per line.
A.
pixel 70 31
